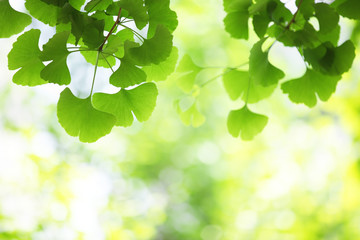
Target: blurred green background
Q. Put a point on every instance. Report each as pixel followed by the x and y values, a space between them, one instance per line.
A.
pixel 299 179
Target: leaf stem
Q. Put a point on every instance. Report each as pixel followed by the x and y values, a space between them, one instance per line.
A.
pixel 138 35
pixel 222 74
pixel 111 31
pixel 294 16
pixel 107 61
pixel 96 65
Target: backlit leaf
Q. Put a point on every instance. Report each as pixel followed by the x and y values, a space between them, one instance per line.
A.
pixel 160 13
pixel 12 22
pixel 304 89
pixel 139 101
pixel 25 55
pixel 189 72
pixel 245 123
pixel 331 60
pixel 328 18
pixel 236 84
pixel 79 118
pixel 159 72
pixel 55 50
pixel 260 69
pixel 46 13
pixel 155 49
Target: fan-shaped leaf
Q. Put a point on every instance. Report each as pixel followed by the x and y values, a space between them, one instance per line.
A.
pixel 79 118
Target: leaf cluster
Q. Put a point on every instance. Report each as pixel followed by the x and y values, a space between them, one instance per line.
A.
pixel 324 57
pixel 104 32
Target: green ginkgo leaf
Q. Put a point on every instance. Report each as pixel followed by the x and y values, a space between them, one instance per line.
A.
pixel 260 69
pixel 191 116
pixel 127 75
pixel 239 84
pixel 160 13
pixel 55 50
pixel 245 123
pixel 79 118
pixel 139 101
pixel 327 17
pixel 137 10
pixel 12 22
pixel 236 23
pixel 348 8
pixel 189 70
pixel 304 89
pixel 331 60
pixel 46 13
pixel 159 72
pixel 155 49
pixel 25 55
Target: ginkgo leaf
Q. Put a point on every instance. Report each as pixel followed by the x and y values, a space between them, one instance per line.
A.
pixel 96 5
pixel 137 10
pixel 127 75
pixel 160 13
pixel 191 116
pixel 159 72
pixel 55 49
pixel 113 47
pixel 79 118
pixel 236 23
pixel 245 123
pixel 25 55
pixel 327 17
pixel 260 69
pixel 189 72
pixel 236 84
pixel 46 13
pixel 304 89
pixel 12 22
pixel 139 101
pixel 348 8
pixel 155 49
pixel 115 44
pixel 331 60
pixel 93 33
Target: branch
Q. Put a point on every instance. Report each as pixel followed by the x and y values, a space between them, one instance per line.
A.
pixel 111 31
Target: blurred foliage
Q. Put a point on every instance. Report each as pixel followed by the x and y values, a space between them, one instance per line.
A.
pixel 162 180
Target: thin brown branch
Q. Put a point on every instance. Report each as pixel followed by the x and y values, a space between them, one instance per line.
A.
pixel 294 16
pixel 111 31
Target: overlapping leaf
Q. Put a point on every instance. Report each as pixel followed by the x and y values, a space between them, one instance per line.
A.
pixel 331 60
pixel 327 17
pixel 191 116
pixel 79 118
pixel 12 22
pixel 55 50
pixel 159 72
pixel 260 69
pixel 44 12
pixel 160 14
pixel 139 101
pixel 155 49
pixel 189 71
pixel 348 8
pixel 245 123
pixel 304 89
pixel 25 55
pixel 239 84
pixel 236 20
